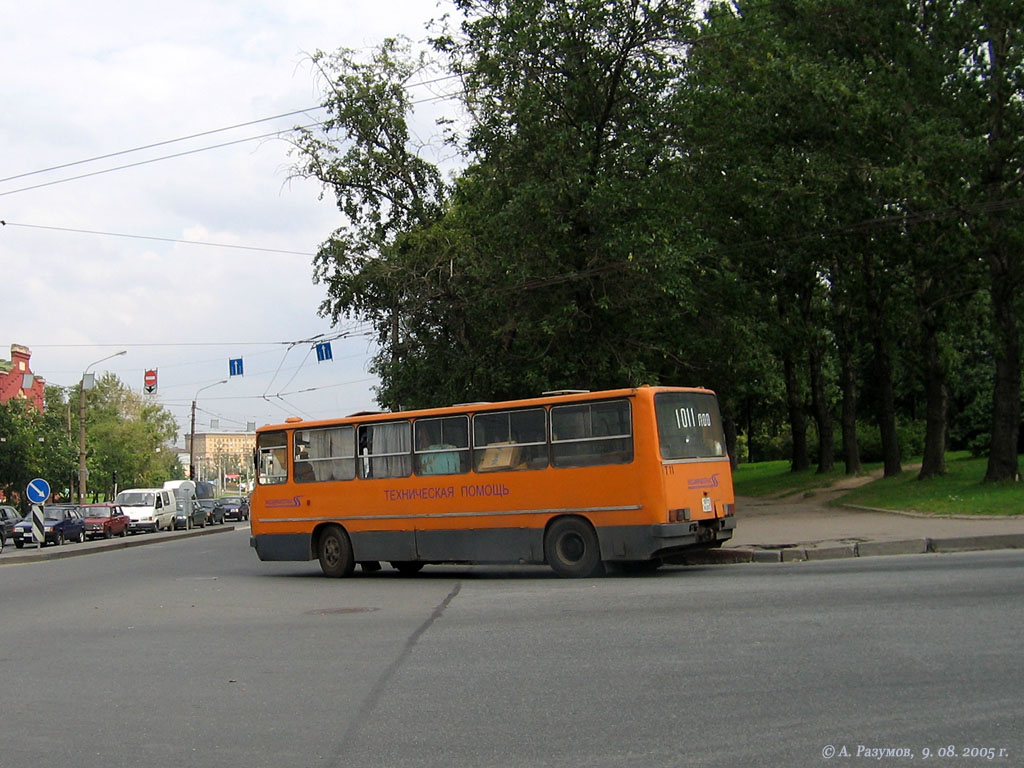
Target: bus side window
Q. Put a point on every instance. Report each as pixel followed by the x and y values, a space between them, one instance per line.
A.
pixel 325 454
pixel 385 450
pixel 441 445
pixel 509 440
pixel 591 434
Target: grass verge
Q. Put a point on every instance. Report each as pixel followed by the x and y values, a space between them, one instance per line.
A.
pixel 959 492
pixel 774 478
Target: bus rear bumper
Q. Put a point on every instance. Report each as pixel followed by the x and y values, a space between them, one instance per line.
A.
pixel 646 542
pixel 286 546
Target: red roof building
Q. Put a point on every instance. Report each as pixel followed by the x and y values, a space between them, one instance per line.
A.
pixel 16 373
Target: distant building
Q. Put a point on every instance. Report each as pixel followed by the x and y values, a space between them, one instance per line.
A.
pixel 16 373
pixel 221 456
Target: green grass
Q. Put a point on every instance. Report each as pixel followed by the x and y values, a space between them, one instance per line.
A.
pixel 774 478
pixel 959 492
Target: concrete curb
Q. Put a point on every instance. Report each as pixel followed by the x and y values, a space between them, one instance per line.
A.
pixel 925 515
pixel 12 556
pixel 846 549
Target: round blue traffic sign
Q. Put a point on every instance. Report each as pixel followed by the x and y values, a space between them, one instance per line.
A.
pixel 38 491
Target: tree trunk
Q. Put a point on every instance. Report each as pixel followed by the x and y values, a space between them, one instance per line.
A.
pixel 845 346
pixel 1002 457
pixel 851 450
pixel 887 416
pixel 874 306
pixel 1004 262
pixel 933 463
pixel 729 427
pixel 822 413
pixel 797 419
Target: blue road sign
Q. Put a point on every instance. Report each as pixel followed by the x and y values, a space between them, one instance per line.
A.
pixel 235 366
pixel 323 351
pixel 38 491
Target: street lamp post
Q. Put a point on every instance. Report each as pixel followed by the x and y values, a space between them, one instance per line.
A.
pixel 82 471
pixel 192 437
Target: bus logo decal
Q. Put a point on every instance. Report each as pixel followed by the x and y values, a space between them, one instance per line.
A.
pixel 283 503
pixel 703 482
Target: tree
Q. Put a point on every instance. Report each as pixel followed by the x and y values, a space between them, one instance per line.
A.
pixel 57 459
pixel 575 212
pixel 543 265
pixel 849 119
pixel 363 153
pixel 782 201
pixel 126 435
pixel 17 448
pixel 988 87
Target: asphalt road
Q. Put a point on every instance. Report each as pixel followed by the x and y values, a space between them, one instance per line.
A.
pixel 191 652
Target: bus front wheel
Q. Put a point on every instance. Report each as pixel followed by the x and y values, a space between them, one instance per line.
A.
pixel 335 553
pixel 571 548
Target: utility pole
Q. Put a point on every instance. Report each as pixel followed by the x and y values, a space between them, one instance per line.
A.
pixel 192 439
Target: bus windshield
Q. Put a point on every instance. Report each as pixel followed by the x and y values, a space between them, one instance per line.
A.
pixel 689 425
pixel 271 458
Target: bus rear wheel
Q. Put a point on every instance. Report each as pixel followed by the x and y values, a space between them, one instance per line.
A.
pixel 571 548
pixel 335 553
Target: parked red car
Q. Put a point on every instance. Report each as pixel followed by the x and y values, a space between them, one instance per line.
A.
pixel 105 521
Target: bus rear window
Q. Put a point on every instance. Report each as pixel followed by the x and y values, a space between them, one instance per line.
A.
pixel 689 425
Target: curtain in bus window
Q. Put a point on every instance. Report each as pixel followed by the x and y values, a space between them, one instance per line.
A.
pixel 387 449
pixel 689 425
pixel 325 454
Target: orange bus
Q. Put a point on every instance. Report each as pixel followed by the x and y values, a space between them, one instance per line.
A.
pixel 572 479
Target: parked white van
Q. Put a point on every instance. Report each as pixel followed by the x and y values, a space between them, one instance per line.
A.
pixel 151 509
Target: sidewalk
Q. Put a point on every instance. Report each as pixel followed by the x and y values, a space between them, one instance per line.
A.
pixel 807 528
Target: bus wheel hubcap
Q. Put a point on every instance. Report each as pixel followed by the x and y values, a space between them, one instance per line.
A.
pixel 572 548
pixel 331 552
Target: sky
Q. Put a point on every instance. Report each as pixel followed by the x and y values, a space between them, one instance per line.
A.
pixel 85 80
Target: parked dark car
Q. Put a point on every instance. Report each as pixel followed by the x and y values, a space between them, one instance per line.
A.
pixel 235 507
pixel 104 521
pixel 61 523
pixel 9 517
pixel 188 514
pixel 214 514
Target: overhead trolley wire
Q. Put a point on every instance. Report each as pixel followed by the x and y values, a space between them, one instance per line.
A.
pixel 151 160
pixel 161 143
pixel 156 238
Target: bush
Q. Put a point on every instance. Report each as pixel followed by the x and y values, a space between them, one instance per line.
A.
pixel 910 435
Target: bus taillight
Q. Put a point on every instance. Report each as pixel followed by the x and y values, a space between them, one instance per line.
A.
pixel 678 515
